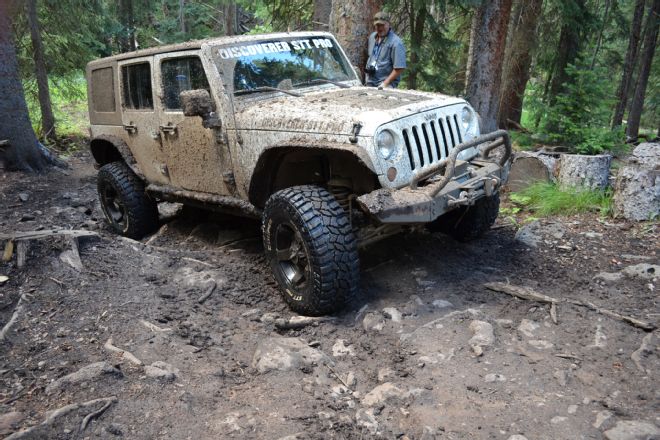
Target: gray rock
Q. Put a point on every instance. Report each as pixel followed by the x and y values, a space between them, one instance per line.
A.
pixel 608 277
pixel 381 394
pixel 340 349
pixel 373 322
pixel 482 336
pixel 441 304
pixel 393 314
pixel 528 327
pixel 162 371
pixel 633 430
pixel 23 197
pixel 517 437
pixel 493 377
pixel 642 271
pixel 534 232
pixel 601 418
pixel 87 373
pixel 365 418
pixel 10 421
pixel 285 354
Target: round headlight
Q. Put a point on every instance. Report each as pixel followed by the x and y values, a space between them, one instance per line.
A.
pixel 467 116
pixel 386 144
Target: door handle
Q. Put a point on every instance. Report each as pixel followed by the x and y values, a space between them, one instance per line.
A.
pixel 169 128
pixel 130 128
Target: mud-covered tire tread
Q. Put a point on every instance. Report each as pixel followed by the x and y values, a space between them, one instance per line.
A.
pixel 326 231
pixel 141 210
pixel 471 222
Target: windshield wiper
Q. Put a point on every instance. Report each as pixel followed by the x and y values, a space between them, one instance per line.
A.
pixel 324 80
pixel 266 89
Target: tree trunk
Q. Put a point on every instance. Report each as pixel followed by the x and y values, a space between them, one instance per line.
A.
pixel 321 15
pixel 23 152
pixel 487 46
pixel 417 22
pixel 352 22
pixel 519 60
pixel 127 20
pixel 229 14
pixel 47 118
pixel 182 16
pixel 599 40
pixel 567 52
pixel 637 188
pixel 582 171
pixel 629 64
pixel 646 61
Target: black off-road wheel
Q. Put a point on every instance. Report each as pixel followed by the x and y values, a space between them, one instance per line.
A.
pixel 311 249
pixel 128 209
pixel 469 222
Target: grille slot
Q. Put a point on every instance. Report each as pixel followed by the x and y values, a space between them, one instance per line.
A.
pixel 431 141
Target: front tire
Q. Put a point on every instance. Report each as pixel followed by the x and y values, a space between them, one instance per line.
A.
pixel 311 249
pixel 469 222
pixel 128 209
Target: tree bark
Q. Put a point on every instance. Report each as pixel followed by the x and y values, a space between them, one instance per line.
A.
pixel 182 16
pixel 417 23
pixel 41 73
pixel 321 16
pixel 582 171
pixel 487 46
pixel 629 64
pixel 127 20
pixel 229 14
pixel 351 22
pixel 519 60
pixel 646 61
pixel 23 152
pixel 569 47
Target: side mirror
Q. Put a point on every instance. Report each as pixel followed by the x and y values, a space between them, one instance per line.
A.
pixel 199 103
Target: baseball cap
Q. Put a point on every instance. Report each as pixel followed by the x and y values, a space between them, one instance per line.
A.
pixel 381 18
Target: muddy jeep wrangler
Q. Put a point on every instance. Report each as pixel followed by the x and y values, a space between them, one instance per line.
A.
pixel 279 127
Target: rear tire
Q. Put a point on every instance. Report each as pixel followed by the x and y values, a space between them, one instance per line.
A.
pixel 311 249
pixel 128 209
pixel 469 222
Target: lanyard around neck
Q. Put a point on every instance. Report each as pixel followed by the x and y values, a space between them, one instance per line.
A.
pixel 378 46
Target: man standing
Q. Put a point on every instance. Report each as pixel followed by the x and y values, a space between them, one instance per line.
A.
pixel 387 55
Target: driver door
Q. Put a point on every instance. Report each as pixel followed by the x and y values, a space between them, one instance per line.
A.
pixel 198 157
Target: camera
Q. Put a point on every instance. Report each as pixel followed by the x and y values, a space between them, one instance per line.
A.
pixel 371 68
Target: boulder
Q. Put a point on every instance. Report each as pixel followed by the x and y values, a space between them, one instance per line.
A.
pixel 285 354
pixel 632 430
pixel 637 187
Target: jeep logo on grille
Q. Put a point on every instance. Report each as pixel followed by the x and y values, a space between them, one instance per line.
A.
pixel 430 116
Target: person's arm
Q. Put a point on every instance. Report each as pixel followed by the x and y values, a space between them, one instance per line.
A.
pixel 398 62
pixel 392 76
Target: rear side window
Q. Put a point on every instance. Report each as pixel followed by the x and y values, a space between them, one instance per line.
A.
pixel 103 90
pixel 136 85
pixel 180 74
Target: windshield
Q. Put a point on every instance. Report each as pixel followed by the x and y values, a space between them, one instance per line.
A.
pixel 285 64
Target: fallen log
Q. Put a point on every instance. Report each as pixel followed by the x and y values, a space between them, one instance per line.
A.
pixel 61 412
pixel 530 294
pixel 528 168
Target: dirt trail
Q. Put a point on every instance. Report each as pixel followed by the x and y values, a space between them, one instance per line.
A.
pixel 400 362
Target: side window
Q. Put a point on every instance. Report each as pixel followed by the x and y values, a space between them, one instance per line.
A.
pixel 103 90
pixel 181 74
pixel 136 85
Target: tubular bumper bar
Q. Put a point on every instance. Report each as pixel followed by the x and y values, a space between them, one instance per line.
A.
pixel 478 178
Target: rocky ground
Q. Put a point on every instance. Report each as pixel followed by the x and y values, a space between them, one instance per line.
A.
pixel 137 343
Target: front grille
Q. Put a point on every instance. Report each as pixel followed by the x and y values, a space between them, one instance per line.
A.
pixel 431 141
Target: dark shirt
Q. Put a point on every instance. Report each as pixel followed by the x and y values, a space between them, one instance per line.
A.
pixel 390 54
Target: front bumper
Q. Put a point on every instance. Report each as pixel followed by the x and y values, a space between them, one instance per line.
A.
pixel 461 184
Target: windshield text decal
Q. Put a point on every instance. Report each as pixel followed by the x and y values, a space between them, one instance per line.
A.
pixel 273 47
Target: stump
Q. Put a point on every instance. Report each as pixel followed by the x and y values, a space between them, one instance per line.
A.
pixel 637 187
pixel 531 167
pixel 577 170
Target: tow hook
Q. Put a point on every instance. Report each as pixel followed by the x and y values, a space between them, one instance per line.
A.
pixel 490 184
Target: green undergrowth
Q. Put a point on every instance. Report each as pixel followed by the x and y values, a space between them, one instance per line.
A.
pixel 546 199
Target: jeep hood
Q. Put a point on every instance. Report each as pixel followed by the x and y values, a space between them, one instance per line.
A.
pixel 336 111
